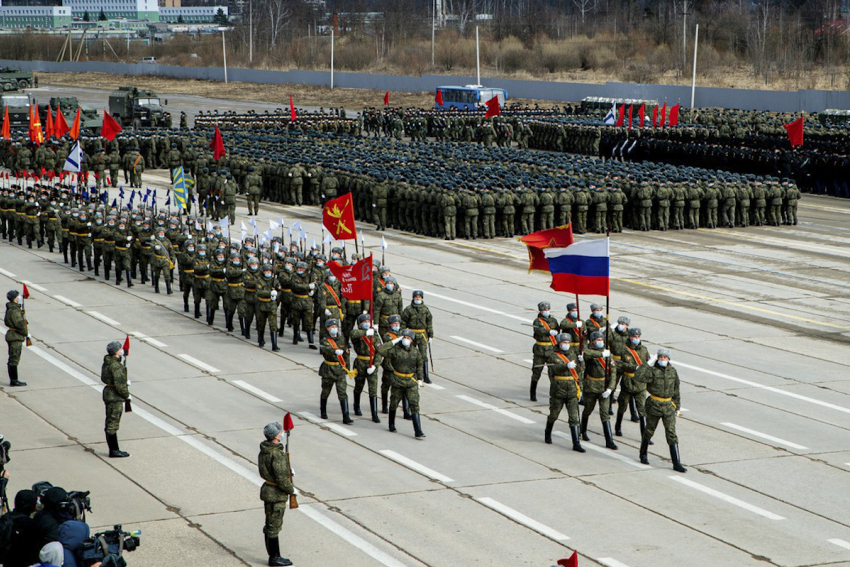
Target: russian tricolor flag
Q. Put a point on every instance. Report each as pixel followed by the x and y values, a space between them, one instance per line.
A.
pixel 580 268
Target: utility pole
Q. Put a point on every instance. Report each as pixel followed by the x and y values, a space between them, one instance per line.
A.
pixel 250 32
pixel 224 54
pixel 684 36
pixel 433 27
pixel 332 59
pixel 477 59
pixel 694 80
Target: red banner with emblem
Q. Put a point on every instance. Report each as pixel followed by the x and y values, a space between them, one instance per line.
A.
pixel 355 279
pixel 338 218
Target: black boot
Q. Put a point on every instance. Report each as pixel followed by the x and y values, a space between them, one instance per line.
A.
pixel 13 376
pixel 96 269
pixel 618 427
pixel 247 330
pixel 228 320
pixel 644 446
pixel 156 285
pixel 609 438
pixel 574 432
pixel 547 435
pixel 197 311
pixel 168 289
pixel 323 408
pixel 426 377
pixel 105 272
pixel 642 422
pixel 88 263
pixel 392 420
pixel 357 404
pixel 129 281
pixel 273 335
pixel 533 391
pixel 373 405
pixel 405 407
pixel 273 549
pixel 633 410
pixel 185 304
pixel 383 402
pixel 584 436
pixel 114 451
pixel 242 326
pixel 346 418
pixel 677 461
pixel 261 342
pixel 65 255
pixel 212 317
pixel 417 426
pixel 310 340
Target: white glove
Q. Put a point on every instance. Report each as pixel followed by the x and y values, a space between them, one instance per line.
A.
pixel 431 340
pixel 309 175
pixel 396 341
pixel 571 364
pixel 612 326
pixel 606 353
pixel 290 175
pixel 88 224
pixel 152 236
pixel 129 238
pixel 651 361
pixel 579 324
pixel 274 295
pixel 553 332
pixel 338 352
pixel 311 294
pixel 375 326
pixel 370 370
pixel 327 312
pixel 29 336
pixel 370 332
pixel 580 358
pixel 312 285
pixel 606 393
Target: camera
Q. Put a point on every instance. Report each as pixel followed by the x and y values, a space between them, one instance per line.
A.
pixel 109 545
pixel 4 452
pixel 74 508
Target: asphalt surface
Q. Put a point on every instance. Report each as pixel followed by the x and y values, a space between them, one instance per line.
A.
pixel 756 319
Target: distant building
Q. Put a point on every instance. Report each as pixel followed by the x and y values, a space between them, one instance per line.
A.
pixel 190 14
pixel 130 9
pixel 34 16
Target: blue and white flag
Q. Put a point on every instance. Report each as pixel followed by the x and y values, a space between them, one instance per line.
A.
pixel 611 118
pixel 75 159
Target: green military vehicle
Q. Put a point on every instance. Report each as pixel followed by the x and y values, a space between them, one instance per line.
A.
pixel 12 79
pixel 132 106
pixel 90 119
pixel 18 104
pixel 832 116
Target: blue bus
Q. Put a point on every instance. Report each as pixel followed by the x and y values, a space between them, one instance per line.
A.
pixel 470 97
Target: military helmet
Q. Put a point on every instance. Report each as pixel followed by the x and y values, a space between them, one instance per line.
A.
pixel 634 332
pixel 543 306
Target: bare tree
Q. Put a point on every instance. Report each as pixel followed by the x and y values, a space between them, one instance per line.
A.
pixel 585 7
pixel 272 17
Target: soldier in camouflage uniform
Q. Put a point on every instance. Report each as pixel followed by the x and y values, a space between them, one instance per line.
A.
pixel 368 360
pixel 115 392
pixel 545 328
pixel 564 389
pixel 405 360
pixel 273 464
pixel 662 384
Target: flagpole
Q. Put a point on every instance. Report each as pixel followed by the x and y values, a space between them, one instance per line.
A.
pixel 371 312
pixel 608 328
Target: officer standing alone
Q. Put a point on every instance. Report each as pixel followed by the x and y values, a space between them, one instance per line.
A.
pixel 274 469
pixel 115 393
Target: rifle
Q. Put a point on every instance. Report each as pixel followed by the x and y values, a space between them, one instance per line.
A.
pixel 26 323
pixel 289 426
pixel 128 407
pixel 430 355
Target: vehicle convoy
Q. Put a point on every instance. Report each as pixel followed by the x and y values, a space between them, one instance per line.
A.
pixel 132 106
pixel 12 79
pixel 18 104
pixel 90 119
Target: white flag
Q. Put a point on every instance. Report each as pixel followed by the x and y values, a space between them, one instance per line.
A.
pixel 611 118
pixel 273 225
pixel 313 243
pixel 383 243
pixel 303 234
pixel 244 228
pixel 242 236
pixel 224 222
pixel 296 226
pixel 268 234
pixel 262 240
pixel 75 159
pixel 210 226
pixel 328 240
pixel 252 222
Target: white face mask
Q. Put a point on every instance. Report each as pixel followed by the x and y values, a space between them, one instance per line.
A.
pixel 405 342
pixel 573 314
pixel 365 326
pixel 390 287
pixel 662 363
pixel 333 332
pixel 417 302
pixel 621 327
pixel 395 328
pixel 635 341
pixel 544 313
pixel 600 344
pixel 332 279
pixel 565 346
pixel 597 314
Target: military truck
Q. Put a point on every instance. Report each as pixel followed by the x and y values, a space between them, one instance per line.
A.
pixel 11 79
pixel 90 119
pixel 132 106
pixel 18 104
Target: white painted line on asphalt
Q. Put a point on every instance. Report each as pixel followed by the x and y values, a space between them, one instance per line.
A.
pixel 310 511
pixel 528 360
pixel 67 301
pixel 504 412
pixel 481 307
pixel 726 498
pixel 195 362
pixel 776 440
pixel 62 366
pixel 522 519
pixel 435 386
pixel 147 339
pixel 607 452
pixel 414 466
pixel 840 543
pixel 763 387
pixel 35 286
pixel 7 273
pixel 611 562
pixel 333 426
pixel 104 318
pixel 254 390
pixel 479 345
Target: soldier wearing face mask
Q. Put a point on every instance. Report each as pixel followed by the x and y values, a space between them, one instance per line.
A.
pixel 417 318
pixel 597 320
pixel 365 343
pixel 572 325
pixel 599 380
pixel 564 389
pixel 267 307
pixel 405 361
pixel 664 403
pixel 332 304
pixel 334 370
pixel 545 329
pixel 632 392
pixel 392 334
pixel 387 302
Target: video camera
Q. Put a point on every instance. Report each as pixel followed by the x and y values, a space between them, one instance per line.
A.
pixel 74 508
pixel 108 547
pixel 4 482
pixel 4 452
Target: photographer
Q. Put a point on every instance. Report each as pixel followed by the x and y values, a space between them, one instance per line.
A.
pixel 52 514
pixel 23 545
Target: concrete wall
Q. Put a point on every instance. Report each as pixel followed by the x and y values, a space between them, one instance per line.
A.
pixel 749 99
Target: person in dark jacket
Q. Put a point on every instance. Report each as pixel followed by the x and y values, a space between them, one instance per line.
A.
pixel 24 545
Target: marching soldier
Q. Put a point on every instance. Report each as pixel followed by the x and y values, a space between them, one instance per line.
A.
pixel 267 307
pixel 123 244
pixel 363 340
pixel 201 279
pixel 16 334
pixel 115 393
pixel 302 304
pixel 187 271
pixel 632 393
pixel 248 306
pixel 235 290
pixel 274 468
pixel 564 389
pixel 334 370
pixel 162 260
pixel 405 361
pixel 545 329
pixel 598 385
pixel 217 285
pixel 417 318
pixel 392 334
pixel 572 325
pixel 662 383
pixel 332 304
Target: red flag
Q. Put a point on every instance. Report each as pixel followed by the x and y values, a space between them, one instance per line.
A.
pixel 75 127
pixel 571 562
pixel 674 115
pixel 60 125
pixel 48 124
pixel 26 292
pixel 7 128
pixel 217 145
pixel 386 98
pixel 36 133
pixel 630 117
pixel 127 346
pixel 558 237
pixel 621 116
pixel 795 132
pixel 655 116
pixel 291 110
pixel 287 422
pixel 493 107
pixel 355 279
pixel 338 218
pixel 439 98
pixel 641 114
pixel 110 127
pixel 663 111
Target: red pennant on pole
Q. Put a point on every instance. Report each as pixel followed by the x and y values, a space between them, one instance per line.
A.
pixel 355 279
pixel 287 422
pixel 386 98
pixel 674 114
pixel 110 127
pixel 127 346
pixel 75 127
pixel 217 145
pixel 630 117
pixel 48 124
pixel 655 116
pixel 493 108
pixel 795 132
pixel 663 111
pixel 621 116
pixel 439 98
pixel 26 292
pixel 291 110
pixel 642 115
pixel 571 562
pixel 60 125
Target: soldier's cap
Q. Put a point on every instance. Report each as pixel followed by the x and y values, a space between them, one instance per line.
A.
pixel 418 293
pixel 362 318
pixel 543 306
pixel 113 347
pixel 563 338
pixel 595 306
pixel 634 331
pixel 664 352
pixel 624 320
pixel 394 319
pixel 272 430
pixel 596 335
pixel 12 294
pixel 301 265
pixel 571 306
pixel 331 323
pixel 408 333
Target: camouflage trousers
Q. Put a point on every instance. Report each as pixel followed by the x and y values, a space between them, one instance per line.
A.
pixel 15 348
pixel 331 380
pixel 113 416
pixel 590 400
pixel 362 365
pixel 660 411
pixel 274 518
pixel 403 387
